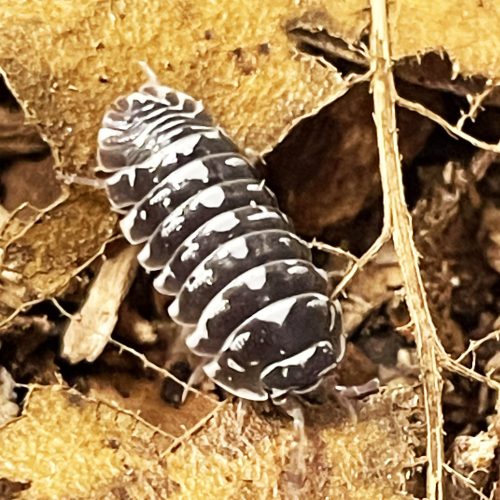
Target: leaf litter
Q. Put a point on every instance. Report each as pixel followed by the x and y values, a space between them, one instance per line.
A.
pixel 421 299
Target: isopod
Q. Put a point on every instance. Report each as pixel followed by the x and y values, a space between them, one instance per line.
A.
pixel 255 308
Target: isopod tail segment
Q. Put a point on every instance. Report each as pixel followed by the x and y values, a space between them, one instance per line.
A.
pixel 212 235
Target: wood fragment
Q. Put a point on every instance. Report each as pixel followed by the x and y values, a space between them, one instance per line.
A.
pixel 90 330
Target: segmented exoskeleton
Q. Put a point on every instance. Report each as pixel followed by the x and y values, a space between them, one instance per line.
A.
pixel 257 308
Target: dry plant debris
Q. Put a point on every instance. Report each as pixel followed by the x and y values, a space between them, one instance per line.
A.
pixel 40 256
pixel 88 54
pixel 8 407
pixel 472 458
pixel 89 331
pixel 286 79
pixel 66 445
pixel 104 452
pixel 81 58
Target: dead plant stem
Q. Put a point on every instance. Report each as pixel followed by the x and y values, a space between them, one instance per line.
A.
pixel 370 254
pixel 384 98
pixel 451 129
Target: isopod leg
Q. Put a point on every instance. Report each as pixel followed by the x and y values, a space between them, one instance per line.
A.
pixel 180 365
pixel 77 179
pixel 195 378
pixel 359 391
pixel 172 391
pixel 297 469
pixel 152 79
pixel 345 395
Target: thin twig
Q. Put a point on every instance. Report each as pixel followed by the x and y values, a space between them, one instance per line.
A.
pixel 369 255
pixel 453 366
pixel 163 371
pixel 200 424
pixel 23 307
pixel 451 129
pixel 61 309
pixel 469 483
pixel 325 247
pixel 39 213
pixel 476 102
pixel 116 407
pixel 474 345
pixel 384 98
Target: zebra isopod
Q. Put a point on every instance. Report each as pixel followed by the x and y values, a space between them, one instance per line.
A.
pixel 256 309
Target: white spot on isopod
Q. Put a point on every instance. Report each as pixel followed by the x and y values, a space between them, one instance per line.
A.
pixel 222 223
pixel 235 366
pixel 235 161
pixel 190 251
pixel 255 279
pixel 200 276
pixel 238 248
pixel 239 341
pixel 131 177
pixel 195 170
pixel 277 312
pixel 214 198
pixel 297 270
pixel 299 359
pixel 173 309
pixel 265 214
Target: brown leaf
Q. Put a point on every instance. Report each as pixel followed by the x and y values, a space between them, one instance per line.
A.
pixel 46 254
pixel 69 445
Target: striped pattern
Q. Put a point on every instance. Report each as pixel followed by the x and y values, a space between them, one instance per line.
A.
pixel 212 234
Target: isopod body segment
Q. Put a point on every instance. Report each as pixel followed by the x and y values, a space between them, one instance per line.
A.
pixel 211 232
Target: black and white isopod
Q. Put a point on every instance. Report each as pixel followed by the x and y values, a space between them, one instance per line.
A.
pixel 256 307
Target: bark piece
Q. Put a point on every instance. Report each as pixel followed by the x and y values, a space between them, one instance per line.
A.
pixel 90 330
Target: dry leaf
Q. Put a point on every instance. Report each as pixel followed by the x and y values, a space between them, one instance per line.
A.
pixel 67 445
pixel 65 62
pixel 54 247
